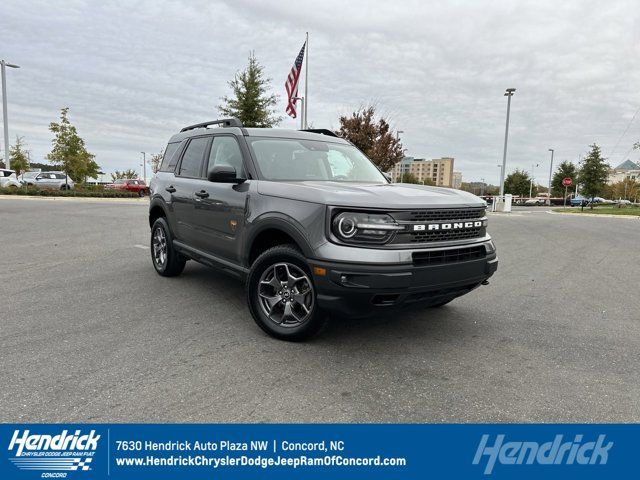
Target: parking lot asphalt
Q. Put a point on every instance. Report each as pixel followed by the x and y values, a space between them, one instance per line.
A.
pixel 90 333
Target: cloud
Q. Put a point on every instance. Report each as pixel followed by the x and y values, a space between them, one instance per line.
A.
pixel 134 73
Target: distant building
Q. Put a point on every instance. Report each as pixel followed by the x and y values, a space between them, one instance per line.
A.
pixel 626 170
pixel 439 170
pixel 457 180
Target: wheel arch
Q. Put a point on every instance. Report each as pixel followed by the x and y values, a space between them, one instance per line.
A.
pixel 273 231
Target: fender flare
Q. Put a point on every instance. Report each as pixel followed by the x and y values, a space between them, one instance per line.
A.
pixel 276 221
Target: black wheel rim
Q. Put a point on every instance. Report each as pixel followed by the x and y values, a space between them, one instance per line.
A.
pixel 286 295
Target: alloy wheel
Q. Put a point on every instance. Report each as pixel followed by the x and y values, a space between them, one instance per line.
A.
pixel 286 294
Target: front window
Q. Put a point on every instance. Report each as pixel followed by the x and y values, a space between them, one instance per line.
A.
pixel 295 160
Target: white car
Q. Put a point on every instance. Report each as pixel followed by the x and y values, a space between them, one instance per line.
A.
pixel 50 180
pixel 8 179
pixel 623 201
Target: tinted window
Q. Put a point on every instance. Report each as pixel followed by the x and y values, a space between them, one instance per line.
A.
pixel 60 176
pixel 192 159
pixel 226 151
pixel 170 158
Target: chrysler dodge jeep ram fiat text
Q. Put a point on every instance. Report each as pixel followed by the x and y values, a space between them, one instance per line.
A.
pixel 312 226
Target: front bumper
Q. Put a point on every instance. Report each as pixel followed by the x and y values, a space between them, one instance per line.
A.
pixel 363 289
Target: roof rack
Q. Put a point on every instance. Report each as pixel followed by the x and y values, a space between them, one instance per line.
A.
pixel 321 131
pixel 225 122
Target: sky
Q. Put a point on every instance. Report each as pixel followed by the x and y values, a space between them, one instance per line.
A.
pixel 133 73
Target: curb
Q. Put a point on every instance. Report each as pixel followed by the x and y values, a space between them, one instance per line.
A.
pixel 76 199
pixel 596 215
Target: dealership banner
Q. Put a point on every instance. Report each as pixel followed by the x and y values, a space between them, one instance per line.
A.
pixel 317 451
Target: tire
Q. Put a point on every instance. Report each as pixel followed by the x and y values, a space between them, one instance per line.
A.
pixel 141 193
pixel 166 260
pixel 281 295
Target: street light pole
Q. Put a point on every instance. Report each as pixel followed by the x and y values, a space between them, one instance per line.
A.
pixel 550 174
pixel 144 166
pixel 531 183
pixel 5 116
pixel 398 132
pixel 509 93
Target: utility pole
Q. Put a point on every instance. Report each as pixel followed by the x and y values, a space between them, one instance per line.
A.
pixel 550 175
pixel 398 132
pixel 508 93
pixel 5 115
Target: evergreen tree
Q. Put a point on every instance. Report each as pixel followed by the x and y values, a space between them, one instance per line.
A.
pixel 69 150
pixel 594 172
pixel 19 157
pixel 565 169
pixel 251 103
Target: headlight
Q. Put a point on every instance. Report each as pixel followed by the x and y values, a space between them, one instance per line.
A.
pixel 358 227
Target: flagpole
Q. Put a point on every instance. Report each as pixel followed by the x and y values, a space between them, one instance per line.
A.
pixel 306 82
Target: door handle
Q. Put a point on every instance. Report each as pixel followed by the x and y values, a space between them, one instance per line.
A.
pixel 201 194
pixel 170 189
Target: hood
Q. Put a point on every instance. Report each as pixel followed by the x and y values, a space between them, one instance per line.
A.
pixel 391 195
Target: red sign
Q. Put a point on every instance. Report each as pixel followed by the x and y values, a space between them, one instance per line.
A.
pixel 566 181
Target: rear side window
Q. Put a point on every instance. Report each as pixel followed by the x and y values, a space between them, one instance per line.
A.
pixel 191 164
pixel 170 158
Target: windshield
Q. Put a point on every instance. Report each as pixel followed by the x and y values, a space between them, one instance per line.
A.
pixel 282 159
pixel 30 174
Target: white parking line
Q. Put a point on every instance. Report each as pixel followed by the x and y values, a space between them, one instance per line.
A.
pixel 144 247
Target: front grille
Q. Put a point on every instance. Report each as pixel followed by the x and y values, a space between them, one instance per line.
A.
pixel 441 214
pixel 454 255
pixel 442 235
pixel 409 236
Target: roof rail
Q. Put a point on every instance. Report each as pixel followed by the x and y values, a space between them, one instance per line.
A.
pixel 321 131
pixel 225 122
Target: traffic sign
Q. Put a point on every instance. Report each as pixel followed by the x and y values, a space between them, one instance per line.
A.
pixel 566 181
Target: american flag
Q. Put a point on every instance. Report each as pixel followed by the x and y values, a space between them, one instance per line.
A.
pixel 291 85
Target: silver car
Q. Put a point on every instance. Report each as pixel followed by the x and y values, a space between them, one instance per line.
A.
pixel 49 180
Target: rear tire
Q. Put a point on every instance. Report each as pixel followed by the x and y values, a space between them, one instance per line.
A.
pixel 166 260
pixel 141 193
pixel 281 295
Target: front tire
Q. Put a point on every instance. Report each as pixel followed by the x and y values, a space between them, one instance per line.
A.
pixel 281 295
pixel 166 260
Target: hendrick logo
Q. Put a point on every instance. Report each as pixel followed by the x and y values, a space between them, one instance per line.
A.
pixel 555 452
pixel 448 226
pixel 53 453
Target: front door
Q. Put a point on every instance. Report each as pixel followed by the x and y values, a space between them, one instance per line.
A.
pixel 219 208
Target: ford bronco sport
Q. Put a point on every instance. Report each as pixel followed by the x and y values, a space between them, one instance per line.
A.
pixel 312 226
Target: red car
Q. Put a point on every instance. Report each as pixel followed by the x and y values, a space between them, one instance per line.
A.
pixel 131 185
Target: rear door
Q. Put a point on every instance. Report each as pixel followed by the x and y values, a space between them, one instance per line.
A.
pixel 219 208
pixel 187 181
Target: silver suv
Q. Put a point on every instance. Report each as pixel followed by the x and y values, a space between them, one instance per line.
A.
pixel 49 180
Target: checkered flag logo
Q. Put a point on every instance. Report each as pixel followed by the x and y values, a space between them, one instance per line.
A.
pixel 81 464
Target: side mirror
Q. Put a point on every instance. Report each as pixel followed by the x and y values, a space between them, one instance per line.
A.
pixel 224 174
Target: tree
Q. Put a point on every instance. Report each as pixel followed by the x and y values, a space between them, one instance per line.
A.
pixel 124 174
pixel 69 150
pixel 251 103
pixel 373 137
pixel 565 169
pixel 409 178
pixel 518 183
pixel 18 156
pixel 628 189
pixel 594 172
pixel 156 160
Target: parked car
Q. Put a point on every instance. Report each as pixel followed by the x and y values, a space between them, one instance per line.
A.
pixel 130 185
pixel 8 179
pixel 623 201
pixel 579 201
pixel 535 202
pixel 311 225
pixel 48 180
